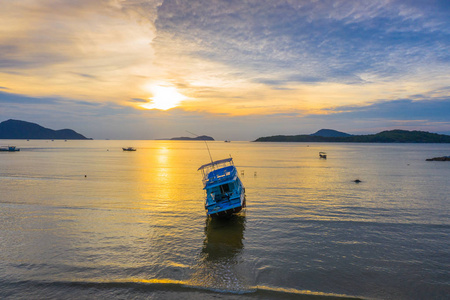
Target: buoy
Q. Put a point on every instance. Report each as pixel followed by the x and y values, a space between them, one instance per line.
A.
pixel 85 175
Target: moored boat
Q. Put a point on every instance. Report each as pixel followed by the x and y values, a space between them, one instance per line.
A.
pixel 129 149
pixel 225 193
pixel 322 155
pixel 9 148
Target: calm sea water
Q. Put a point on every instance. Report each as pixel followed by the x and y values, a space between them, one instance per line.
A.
pixel 86 220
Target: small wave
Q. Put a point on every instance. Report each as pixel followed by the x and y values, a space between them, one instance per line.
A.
pixel 172 286
pixel 276 293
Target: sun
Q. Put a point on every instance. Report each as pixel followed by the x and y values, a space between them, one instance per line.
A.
pixel 164 98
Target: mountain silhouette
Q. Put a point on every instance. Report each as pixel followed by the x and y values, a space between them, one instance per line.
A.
pixel 389 136
pixel 16 129
pixel 330 133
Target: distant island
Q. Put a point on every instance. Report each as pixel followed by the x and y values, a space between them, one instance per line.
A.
pixel 16 130
pixel 330 133
pixel 198 138
pixel 333 136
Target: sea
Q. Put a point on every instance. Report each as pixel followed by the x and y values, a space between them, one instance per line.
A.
pixel 87 220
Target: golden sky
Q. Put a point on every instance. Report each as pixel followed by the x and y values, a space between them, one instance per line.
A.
pixel 306 64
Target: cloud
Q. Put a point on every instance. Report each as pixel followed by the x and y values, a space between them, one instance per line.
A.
pixel 93 49
pixel 331 40
pixel 22 99
pixel 403 109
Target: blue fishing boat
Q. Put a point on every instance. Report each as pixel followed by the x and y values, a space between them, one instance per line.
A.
pixel 225 193
pixel 9 148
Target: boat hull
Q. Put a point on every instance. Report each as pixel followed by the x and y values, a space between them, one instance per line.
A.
pixel 9 149
pixel 228 211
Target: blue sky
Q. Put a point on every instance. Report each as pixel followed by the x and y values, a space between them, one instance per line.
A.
pixel 242 69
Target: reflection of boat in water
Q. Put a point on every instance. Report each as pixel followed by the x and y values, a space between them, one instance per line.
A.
pixel 219 266
pixel 225 193
pixel 9 148
pixel 223 237
pixel 129 149
pixel 322 155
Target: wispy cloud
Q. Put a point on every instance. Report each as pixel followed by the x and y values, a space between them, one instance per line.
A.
pixel 59 47
pixel 333 40
pixel 404 109
pixel 22 99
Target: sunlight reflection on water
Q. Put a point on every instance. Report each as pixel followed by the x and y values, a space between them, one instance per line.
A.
pixel 308 225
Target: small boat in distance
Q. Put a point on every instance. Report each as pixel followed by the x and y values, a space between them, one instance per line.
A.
pixel 129 149
pixel 9 148
pixel 225 193
pixel 322 155
pixel 227 141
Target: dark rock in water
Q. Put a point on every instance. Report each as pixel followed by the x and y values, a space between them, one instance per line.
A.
pixel 442 158
pixel 357 181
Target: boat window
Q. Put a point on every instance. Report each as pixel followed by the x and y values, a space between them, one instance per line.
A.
pixel 214 190
pixel 225 188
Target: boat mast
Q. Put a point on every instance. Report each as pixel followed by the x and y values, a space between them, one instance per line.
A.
pixel 209 152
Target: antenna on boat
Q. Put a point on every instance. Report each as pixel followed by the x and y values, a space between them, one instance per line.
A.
pixel 210 157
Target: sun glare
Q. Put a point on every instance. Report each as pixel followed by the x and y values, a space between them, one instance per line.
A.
pixel 164 98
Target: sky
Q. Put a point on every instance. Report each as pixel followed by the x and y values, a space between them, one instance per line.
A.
pixel 236 70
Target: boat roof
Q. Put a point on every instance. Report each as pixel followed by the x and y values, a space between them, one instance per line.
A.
pixel 221 182
pixel 220 176
pixel 217 162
